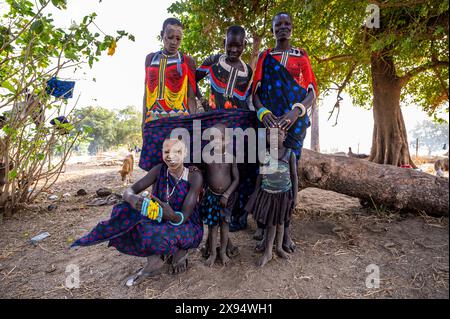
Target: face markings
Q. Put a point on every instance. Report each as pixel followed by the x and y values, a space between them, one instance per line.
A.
pixel 172 37
pixel 174 152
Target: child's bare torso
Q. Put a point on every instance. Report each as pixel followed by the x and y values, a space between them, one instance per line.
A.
pixel 219 176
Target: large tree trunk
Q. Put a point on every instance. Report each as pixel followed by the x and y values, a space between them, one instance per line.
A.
pixel 393 187
pixel 389 141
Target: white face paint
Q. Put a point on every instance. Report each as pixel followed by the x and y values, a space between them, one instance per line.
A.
pixel 174 152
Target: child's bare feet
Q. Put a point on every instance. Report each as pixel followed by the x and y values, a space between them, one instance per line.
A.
pixel 288 244
pixel 281 253
pixel 264 260
pixel 225 259
pixel 211 260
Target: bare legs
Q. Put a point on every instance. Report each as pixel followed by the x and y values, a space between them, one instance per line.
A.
pixel 271 233
pixel 225 244
pixel 224 235
pixel 288 244
pixel 212 240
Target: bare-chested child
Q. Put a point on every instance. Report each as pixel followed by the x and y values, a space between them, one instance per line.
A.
pixel 222 179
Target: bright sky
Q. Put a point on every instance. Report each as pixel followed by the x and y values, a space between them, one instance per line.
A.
pixel 120 78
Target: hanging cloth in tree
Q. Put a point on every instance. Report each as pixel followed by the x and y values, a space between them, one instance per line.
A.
pixel 61 120
pixel 59 88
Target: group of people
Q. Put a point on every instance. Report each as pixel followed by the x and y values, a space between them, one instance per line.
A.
pixel 277 96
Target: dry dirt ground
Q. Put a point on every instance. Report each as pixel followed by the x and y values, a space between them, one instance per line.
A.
pixel 336 241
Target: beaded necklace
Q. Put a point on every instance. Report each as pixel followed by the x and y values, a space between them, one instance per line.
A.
pixel 169 195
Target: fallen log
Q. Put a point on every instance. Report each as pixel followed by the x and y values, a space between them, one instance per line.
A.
pixel 400 189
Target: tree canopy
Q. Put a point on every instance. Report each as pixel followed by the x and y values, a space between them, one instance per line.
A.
pixel 384 54
pixel 110 128
pixel 335 35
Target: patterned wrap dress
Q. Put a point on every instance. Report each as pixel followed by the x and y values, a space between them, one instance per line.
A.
pixel 281 80
pixel 133 234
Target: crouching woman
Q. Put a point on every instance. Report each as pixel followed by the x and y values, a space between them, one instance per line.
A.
pixel 165 233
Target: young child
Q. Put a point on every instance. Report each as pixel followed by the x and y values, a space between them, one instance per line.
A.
pixel 222 179
pixel 276 193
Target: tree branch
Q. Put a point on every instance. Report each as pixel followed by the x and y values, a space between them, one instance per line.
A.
pixel 14 38
pixel 336 57
pixel 388 4
pixel 340 89
pixel 412 73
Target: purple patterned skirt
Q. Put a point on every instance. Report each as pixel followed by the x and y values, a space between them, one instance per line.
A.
pixel 131 233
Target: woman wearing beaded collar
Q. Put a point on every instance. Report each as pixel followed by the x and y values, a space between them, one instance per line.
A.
pixel 284 90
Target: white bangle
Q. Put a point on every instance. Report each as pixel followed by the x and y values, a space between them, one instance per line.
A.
pixel 301 107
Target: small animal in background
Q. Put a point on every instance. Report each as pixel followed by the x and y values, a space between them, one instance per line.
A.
pixel 351 154
pixel 127 169
pixel 441 166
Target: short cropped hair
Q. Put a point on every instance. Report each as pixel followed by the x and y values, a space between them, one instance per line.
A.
pixel 171 21
pixel 281 13
pixel 236 30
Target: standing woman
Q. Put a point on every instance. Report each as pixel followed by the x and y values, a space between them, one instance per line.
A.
pixel 284 90
pixel 170 86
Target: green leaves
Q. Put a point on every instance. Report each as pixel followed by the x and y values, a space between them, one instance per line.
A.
pixel 12 174
pixel 8 86
pixel 108 128
pixel 37 27
pixel 60 4
pixel 411 34
pixel 33 49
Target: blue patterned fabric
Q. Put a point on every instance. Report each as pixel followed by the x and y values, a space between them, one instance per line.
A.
pixel 61 119
pixel 278 92
pixel 59 88
pixel 155 131
pixel 212 212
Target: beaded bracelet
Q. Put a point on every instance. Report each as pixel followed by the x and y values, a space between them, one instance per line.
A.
pixel 261 112
pixel 152 210
pixel 181 220
pixel 144 207
pixel 160 214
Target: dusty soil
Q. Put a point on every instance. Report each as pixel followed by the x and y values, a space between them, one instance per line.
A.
pixel 336 241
